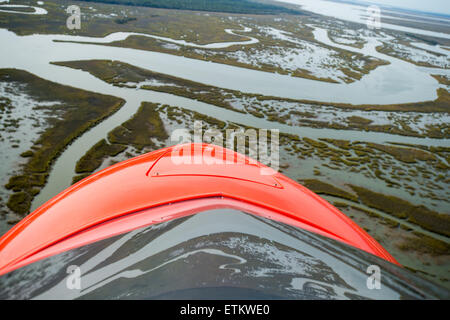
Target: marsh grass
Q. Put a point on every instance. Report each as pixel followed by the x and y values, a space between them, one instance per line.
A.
pixel 119 73
pixel 122 74
pixel 138 132
pixel 321 187
pixel 79 111
pixel 419 215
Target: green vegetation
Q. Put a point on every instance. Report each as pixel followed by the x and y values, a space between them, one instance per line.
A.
pixel 420 215
pixel 199 28
pixel 369 160
pixel 425 244
pixel 19 202
pixel 442 79
pixel 340 204
pixel 174 112
pixel 124 20
pixel 138 132
pixel 98 20
pixel 387 49
pixel 119 73
pixel 320 187
pixel 339 32
pixel 359 121
pixel 351 70
pixel 373 215
pixel 441 104
pixel 420 170
pixel 397 127
pixel 92 159
pixel 230 6
pixel 408 155
pixel 5 105
pixel 19 9
pixel 399 208
pixel 27 154
pixel 79 110
pixel 80 177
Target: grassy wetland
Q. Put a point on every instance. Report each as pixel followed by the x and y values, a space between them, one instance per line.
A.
pixel 337 172
pixel 387 191
pixel 408 52
pixel 357 172
pixel 144 131
pixel 102 19
pixel 398 192
pixel 78 111
pixel 289 51
pixel 425 117
pixel 284 45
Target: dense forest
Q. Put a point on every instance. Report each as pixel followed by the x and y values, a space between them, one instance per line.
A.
pixel 230 6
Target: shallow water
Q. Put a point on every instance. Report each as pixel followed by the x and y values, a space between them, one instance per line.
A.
pixel 355 13
pixel 397 82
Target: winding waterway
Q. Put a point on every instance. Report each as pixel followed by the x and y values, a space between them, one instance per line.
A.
pixel 398 82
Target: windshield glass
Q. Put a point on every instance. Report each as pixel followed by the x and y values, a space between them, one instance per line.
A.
pixel 216 254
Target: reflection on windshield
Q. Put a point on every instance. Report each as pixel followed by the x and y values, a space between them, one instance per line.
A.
pixel 221 253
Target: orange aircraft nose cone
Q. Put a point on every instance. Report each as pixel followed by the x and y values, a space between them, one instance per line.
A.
pixel 172 175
